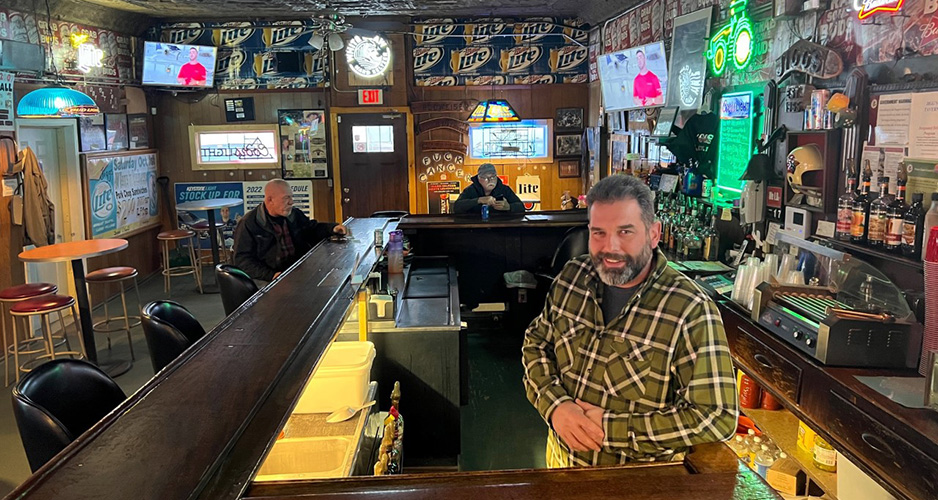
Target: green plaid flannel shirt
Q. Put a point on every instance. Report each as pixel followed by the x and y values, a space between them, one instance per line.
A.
pixel 661 369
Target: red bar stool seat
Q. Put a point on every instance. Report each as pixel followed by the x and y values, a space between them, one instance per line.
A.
pixel 15 346
pixel 44 307
pixel 105 277
pixel 177 237
pixel 27 291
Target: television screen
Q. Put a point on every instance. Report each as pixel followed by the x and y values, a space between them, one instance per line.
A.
pixel 634 78
pixel 175 65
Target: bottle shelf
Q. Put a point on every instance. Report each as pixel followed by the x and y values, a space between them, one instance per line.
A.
pixel 782 427
pixel 861 250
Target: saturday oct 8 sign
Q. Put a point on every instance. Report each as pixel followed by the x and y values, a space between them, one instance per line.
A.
pixel 122 193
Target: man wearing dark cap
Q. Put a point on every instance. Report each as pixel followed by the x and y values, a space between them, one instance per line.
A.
pixel 487 189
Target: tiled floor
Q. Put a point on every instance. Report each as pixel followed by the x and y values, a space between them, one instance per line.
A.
pixel 500 429
pixel 14 468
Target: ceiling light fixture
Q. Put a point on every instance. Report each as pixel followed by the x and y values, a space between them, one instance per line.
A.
pixel 335 42
pixel 493 110
pixel 326 31
pixel 56 102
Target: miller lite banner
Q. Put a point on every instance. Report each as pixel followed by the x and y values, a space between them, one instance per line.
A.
pixel 248 53
pixel 450 52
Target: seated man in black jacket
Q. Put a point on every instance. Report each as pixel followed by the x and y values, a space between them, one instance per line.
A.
pixel 274 235
pixel 487 189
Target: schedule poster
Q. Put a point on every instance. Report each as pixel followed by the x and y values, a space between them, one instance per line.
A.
pixel 122 193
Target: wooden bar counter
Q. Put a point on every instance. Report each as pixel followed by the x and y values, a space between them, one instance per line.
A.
pixel 483 251
pixel 202 427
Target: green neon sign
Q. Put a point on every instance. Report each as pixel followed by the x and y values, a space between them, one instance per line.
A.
pixel 733 42
pixel 735 144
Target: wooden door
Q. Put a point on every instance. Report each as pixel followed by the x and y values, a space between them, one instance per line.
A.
pixel 372 163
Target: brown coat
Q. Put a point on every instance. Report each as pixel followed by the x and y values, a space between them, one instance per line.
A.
pixel 38 210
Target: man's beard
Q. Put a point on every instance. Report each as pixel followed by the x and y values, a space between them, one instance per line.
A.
pixel 619 277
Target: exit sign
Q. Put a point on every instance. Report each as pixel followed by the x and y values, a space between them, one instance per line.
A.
pixel 370 96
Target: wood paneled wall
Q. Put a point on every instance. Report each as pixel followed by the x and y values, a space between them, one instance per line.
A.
pixel 171 134
pixel 531 102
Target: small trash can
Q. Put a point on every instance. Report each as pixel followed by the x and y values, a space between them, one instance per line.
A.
pixel 521 310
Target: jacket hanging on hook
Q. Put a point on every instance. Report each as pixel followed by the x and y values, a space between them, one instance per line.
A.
pixel 39 212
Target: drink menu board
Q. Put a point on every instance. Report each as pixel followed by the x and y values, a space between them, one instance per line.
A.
pixel 735 140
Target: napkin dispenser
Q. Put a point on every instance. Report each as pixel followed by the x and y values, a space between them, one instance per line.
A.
pixel 381 307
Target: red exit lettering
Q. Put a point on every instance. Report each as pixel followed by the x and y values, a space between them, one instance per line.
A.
pixel 370 96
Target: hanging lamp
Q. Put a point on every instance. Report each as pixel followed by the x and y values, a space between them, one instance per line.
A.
pixel 493 111
pixel 56 102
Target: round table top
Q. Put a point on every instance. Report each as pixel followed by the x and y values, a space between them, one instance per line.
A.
pixel 73 250
pixel 212 204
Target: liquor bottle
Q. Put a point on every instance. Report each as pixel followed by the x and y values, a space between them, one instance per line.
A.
pixel 895 218
pixel 861 213
pixel 876 235
pixel 913 227
pixel 845 210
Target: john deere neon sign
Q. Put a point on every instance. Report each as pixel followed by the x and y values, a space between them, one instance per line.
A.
pixel 733 42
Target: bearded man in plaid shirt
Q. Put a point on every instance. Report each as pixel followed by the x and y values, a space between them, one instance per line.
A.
pixel 628 361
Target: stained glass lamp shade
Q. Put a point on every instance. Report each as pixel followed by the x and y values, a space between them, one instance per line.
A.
pixel 494 110
pixel 56 102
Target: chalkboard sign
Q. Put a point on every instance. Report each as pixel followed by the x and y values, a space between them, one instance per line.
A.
pixel 735 140
pixel 121 193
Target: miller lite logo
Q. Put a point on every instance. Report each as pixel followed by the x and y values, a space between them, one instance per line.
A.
pixel 519 59
pixel 265 64
pixel 434 31
pixel 567 58
pixel 581 78
pixel 185 33
pixel 102 200
pixel 293 82
pixel 470 59
pixel 437 81
pixel 232 34
pixel 529 32
pixel 426 58
pixel 487 80
pixel 476 34
pixel 535 80
pixel 282 33
pixel 314 63
pixel 575 33
pixel 230 62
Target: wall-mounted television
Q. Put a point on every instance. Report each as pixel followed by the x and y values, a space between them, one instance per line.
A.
pixel 176 65
pixel 634 78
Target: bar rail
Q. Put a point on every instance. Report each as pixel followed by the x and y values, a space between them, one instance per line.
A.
pixel 201 426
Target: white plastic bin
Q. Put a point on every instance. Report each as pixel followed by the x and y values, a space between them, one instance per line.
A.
pixel 305 458
pixel 341 380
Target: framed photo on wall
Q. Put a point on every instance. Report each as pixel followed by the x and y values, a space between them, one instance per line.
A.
pixel 91 135
pixel 568 145
pixel 569 119
pixel 137 130
pixel 569 168
pixel 116 127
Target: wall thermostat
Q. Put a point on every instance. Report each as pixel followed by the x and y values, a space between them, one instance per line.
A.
pixel 798 222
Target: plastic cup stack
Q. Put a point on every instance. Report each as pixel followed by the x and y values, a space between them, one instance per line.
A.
pixel 930 337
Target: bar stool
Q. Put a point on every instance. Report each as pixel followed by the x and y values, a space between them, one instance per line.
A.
pixel 119 275
pixel 193 268
pixel 201 227
pixel 44 307
pixel 9 296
